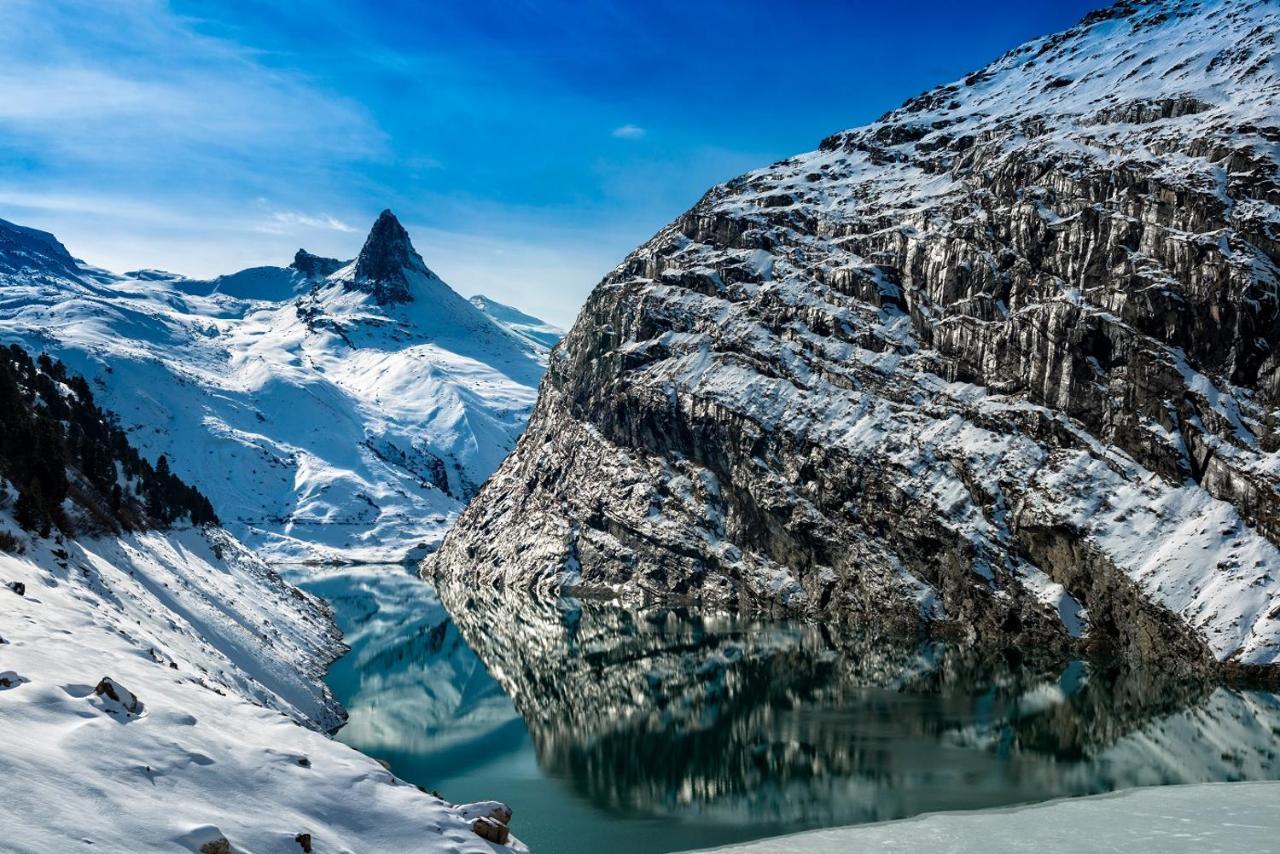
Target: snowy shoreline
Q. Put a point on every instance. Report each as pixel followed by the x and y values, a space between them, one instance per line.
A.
pixel 1197 819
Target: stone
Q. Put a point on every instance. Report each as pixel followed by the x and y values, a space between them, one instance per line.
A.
pixel 18 587
pixel 216 846
pixel 491 830
pixel 117 693
pixel 304 842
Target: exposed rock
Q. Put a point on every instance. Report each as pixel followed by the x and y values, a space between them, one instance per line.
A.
pixel 495 810
pixel 386 260
pixel 1004 364
pixel 304 842
pixel 18 587
pixel 492 830
pixel 118 694
pixel 9 679
pixel 315 266
pixel 216 846
pixel 31 251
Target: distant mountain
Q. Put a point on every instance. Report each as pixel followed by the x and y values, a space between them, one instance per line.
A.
pixel 538 331
pixel 27 251
pixel 1003 364
pixel 329 409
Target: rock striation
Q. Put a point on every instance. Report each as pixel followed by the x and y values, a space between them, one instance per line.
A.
pixel 1004 364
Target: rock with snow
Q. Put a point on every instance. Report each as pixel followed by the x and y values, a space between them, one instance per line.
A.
pixel 120 698
pixel 1004 364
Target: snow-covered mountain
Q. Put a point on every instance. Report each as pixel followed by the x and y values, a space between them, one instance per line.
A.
pixel 329 409
pixel 539 331
pixel 1004 363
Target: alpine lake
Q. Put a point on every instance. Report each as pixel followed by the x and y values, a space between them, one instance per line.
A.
pixel 656 729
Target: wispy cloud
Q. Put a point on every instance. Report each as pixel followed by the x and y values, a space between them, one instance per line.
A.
pixel 130 88
pixel 283 222
pixel 628 132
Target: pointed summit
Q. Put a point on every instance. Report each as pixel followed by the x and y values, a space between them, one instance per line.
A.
pixel 386 261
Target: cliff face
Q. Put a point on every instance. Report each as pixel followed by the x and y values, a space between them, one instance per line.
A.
pixel 1004 361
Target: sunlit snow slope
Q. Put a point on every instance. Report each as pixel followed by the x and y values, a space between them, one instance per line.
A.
pixel 329 410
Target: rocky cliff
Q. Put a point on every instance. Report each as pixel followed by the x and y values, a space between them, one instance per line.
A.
pixel 1003 363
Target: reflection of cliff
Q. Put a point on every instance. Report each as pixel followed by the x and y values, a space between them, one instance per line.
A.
pixel 664 711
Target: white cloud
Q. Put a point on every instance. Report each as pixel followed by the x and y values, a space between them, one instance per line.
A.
pixel 628 132
pixel 281 222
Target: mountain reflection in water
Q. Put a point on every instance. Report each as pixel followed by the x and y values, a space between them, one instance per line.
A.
pixel 660 728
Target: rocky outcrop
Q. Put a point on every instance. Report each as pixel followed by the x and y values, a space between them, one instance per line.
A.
pixel 386 261
pixel 31 252
pixel 1004 364
pixel 315 266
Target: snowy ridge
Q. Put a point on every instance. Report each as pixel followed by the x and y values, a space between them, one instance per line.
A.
pixel 321 422
pixel 525 325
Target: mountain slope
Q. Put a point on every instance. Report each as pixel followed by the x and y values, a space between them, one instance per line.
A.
pixel 161 687
pixel 1004 364
pixel 329 410
pixel 528 326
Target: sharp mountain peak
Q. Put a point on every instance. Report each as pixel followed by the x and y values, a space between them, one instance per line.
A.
pixel 385 259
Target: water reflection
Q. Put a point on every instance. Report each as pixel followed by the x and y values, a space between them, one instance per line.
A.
pixel 657 729
pixel 666 711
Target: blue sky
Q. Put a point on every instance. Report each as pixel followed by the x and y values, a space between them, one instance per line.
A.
pixel 527 146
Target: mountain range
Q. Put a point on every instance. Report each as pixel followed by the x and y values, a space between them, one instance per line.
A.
pixel 330 410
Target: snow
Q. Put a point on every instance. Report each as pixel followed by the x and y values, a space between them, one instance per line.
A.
pixel 214 663
pixel 1199 819
pixel 538 331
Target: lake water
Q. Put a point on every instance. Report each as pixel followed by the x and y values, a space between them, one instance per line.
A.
pixel 659 729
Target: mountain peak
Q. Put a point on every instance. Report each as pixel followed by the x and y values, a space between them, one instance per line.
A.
pixel 384 260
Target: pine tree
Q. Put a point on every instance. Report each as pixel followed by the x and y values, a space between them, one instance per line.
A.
pixel 30 511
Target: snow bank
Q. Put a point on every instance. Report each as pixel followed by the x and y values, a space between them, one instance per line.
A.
pixel 1201 819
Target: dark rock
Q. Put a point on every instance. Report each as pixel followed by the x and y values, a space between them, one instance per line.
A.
pixel 117 693
pixel 386 261
pixel 18 587
pixel 216 846
pixel 304 842
pixel 315 266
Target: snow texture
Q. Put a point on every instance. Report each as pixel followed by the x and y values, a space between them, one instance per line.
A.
pixel 1213 818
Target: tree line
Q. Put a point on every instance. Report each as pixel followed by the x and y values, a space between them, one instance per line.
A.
pixel 57 444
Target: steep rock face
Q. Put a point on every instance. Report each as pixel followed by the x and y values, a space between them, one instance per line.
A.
pixel 315 266
pixel 1003 362
pixel 25 249
pixel 386 262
